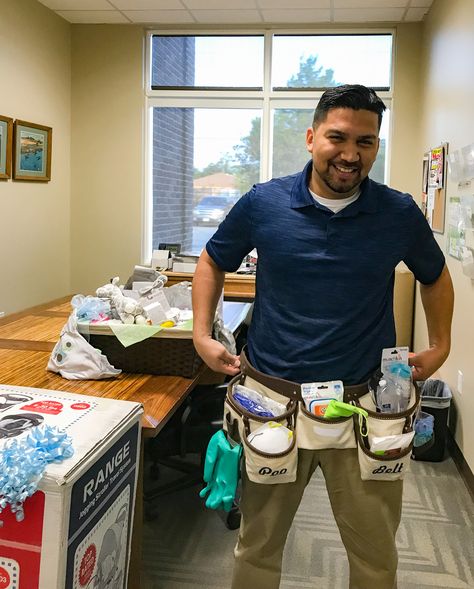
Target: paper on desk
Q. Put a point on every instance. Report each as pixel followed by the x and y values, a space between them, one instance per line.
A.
pixel 131 334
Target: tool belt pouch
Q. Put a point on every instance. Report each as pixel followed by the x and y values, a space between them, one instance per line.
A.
pixel 239 423
pixel 317 433
pixel 270 469
pixel 390 466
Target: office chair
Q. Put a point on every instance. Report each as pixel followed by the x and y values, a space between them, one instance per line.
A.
pixel 188 432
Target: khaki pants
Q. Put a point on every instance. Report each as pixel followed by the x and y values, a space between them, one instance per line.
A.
pixel 367 514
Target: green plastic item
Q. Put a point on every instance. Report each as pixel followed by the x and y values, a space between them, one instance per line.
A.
pixel 341 409
pixel 221 472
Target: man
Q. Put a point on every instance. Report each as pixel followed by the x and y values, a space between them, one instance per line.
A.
pixel 328 241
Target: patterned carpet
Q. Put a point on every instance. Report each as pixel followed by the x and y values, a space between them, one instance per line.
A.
pixel 188 546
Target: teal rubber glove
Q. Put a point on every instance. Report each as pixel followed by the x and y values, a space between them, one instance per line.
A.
pixel 221 472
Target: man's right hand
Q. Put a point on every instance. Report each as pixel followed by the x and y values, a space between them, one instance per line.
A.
pixel 217 357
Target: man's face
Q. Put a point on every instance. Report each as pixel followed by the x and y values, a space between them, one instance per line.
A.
pixel 343 148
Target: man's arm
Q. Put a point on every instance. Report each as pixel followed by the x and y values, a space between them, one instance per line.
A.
pixel 438 302
pixel 208 282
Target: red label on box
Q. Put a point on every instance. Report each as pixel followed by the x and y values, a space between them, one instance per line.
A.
pixel 47 407
pixel 87 565
pixel 4 579
pixel 80 406
pixel 21 544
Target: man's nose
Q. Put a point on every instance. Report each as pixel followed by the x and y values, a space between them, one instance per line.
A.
pixel 350 153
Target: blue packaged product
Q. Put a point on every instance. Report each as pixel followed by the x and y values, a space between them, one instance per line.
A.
pixel 252 406
pixel 424 425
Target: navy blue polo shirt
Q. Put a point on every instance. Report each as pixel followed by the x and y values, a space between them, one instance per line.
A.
pixel 324 285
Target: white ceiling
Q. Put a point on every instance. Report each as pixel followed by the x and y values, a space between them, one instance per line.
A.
pixel 249 12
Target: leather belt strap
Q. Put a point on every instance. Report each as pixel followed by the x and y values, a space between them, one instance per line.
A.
pixel 290 389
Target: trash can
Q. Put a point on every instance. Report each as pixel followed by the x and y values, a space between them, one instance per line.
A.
pixel 436 399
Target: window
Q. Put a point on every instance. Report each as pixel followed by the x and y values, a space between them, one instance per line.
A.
pixel 230 110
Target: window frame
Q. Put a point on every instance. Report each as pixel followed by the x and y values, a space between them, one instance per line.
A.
pixel 265 99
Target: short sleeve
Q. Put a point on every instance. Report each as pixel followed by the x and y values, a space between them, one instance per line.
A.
pixel 233 238
pixel 424 257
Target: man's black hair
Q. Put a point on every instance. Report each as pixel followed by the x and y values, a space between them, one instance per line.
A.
pixel 353 96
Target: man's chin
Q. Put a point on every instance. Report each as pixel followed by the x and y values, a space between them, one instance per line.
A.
pixel 342 188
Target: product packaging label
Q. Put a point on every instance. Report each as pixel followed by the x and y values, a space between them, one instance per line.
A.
pixel 100 518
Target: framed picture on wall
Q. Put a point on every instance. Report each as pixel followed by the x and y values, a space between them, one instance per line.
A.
pixel 6 138
pixel 31 151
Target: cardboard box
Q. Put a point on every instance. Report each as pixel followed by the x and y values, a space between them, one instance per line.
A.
pixel 76 533
pixel 189 267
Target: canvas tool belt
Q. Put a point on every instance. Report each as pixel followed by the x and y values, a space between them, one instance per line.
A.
pixel 314 432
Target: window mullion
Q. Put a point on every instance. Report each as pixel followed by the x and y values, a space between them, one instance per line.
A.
pixel 266 134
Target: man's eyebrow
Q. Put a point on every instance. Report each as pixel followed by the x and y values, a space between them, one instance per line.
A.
pixel 343 134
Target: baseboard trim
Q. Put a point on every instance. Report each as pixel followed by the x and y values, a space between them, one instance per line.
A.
pixel 461 464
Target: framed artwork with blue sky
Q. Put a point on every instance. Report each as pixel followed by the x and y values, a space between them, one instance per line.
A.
pixel 31 151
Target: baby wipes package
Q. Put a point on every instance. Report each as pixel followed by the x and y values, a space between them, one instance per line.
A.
pixel 317 395
pixel 389 445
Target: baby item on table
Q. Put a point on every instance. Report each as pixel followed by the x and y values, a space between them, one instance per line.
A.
pixel 75 359
pixel 126 309
pixel 155 304
pixel 91 309
pixel 179 295
pixel 271 438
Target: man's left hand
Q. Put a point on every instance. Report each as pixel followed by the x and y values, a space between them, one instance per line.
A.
pixel 427 362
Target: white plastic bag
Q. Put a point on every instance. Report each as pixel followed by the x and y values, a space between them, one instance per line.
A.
pixel 75 359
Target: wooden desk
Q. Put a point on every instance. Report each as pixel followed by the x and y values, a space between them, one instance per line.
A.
pixel 237 287
pixel 26 341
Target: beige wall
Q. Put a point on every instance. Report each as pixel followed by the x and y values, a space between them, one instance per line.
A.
pixel 107 153
pixel 34 217
pixel 448 98
pixel 404 169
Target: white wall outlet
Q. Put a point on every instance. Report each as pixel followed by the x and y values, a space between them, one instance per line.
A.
pixel 460 379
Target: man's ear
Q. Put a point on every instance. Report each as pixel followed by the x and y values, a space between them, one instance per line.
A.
pixel 310 139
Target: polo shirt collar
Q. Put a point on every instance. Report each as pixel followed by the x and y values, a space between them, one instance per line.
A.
pixel 301 197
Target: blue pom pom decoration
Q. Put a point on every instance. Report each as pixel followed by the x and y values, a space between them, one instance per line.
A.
pixel 23 462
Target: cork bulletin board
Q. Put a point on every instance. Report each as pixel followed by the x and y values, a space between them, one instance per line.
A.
pixel 434 187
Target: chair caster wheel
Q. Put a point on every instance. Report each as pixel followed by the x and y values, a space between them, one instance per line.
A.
pixel 232 520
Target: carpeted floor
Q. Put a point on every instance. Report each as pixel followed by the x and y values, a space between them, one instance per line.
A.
pixel 187 546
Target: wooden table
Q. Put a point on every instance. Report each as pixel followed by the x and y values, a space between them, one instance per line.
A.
pixel 26 341
pixel 237 287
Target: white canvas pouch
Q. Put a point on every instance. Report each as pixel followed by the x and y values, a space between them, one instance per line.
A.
pixel 75 359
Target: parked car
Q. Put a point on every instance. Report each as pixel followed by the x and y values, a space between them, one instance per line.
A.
pixel 211 210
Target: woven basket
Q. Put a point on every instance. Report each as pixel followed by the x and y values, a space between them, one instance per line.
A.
pixel 155 355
